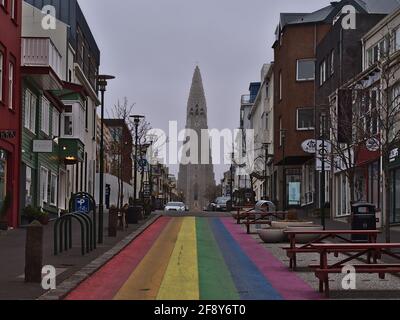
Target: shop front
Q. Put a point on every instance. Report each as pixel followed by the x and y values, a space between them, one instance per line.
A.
pixel 394 167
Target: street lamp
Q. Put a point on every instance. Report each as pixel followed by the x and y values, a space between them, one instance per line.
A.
pixel 322 182
pixel 136 122
pixel 101 85
pixel 266 149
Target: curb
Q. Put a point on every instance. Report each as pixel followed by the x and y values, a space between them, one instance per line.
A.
pixel 83 274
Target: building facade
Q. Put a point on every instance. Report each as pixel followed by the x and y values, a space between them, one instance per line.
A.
pixel 261 119
pixel 10 109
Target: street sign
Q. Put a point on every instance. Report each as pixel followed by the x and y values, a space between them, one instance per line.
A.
pixel 142 163
pixel 82 205
pixel 372 144
pixel 324 149
pixel 309 146
pixel 42 146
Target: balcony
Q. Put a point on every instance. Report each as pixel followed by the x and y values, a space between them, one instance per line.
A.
pixel 42 61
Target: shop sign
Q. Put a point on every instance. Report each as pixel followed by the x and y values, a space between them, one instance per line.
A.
pixel 42 146
pixel 8 134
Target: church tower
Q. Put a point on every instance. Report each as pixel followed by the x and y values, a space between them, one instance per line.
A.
pixel 197 180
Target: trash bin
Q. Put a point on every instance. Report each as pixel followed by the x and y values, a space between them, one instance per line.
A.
pixel 363 218
pixel 133 214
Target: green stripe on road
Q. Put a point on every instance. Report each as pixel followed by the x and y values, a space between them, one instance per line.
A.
pixel 214 276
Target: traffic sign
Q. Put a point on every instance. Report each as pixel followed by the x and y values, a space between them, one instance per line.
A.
pixel 82 205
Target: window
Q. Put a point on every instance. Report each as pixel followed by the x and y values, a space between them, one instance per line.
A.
pixel 378 51
pixel 322 73
pixel 280 85
pixel 305 70
pixel 45 119
pixel 305 119
pixel 44 183
pixel 68 121
pixel 30 111
pixel 396 37
pixel 86 114
pixel 332 63
pixel 11 86
pixel 56 123
pixel 28 186
pixel 3 3
pixel 53 189
pixel 280 133
pixel 1 75
pixel 12 9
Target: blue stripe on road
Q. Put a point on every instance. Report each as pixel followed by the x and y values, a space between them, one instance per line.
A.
pixel 249 281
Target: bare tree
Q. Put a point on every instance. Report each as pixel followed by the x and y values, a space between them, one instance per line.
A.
pixel 374 117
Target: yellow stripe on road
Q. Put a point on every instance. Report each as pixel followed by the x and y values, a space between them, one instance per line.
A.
pixel 181 280
pixel 145 281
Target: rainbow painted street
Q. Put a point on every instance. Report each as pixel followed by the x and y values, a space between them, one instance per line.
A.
pixel 188 258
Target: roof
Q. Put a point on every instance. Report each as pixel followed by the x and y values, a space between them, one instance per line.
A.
pixel 324 14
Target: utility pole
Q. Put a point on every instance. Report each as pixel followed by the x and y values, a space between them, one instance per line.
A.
pixel 322 182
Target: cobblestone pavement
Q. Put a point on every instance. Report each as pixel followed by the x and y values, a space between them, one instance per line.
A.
pixel 368 286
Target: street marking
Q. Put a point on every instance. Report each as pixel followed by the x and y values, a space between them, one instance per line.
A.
pixel 146 280
pixel 181 280
pixel 215 278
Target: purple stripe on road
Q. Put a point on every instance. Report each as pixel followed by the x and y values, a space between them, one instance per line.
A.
pixel 287 283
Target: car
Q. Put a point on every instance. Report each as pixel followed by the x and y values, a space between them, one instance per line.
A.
pixel 175 206
pixel 222 204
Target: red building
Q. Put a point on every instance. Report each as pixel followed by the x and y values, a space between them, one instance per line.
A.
pixel 10 107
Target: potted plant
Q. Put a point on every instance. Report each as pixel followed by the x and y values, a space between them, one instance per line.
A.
pixel 32 214
pixel 3 212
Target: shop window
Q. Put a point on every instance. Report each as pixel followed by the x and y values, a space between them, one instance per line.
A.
pixel 44 184
pixel 28 187
pixel 293 184
pixel 53 189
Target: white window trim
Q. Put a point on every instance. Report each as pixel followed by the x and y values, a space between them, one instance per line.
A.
pixel 45 117
pixel 297 120
pixel 297 70
pixel 30 111
pixel 44 197
pixel 11 71
pixel 1 74
pixel 55 129
pixel 54 176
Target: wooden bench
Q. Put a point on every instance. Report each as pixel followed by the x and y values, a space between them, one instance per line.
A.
pixel 374 250
pixel 321 235
pixel 263 218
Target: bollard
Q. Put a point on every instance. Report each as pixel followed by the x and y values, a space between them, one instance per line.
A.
pixel 112 222
pixel 34 253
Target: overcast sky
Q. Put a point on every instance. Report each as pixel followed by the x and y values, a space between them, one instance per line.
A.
pixel 153 46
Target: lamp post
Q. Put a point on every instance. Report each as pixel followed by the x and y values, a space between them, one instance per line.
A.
pixel 136 121
pixel 231 182
pixel 322 182
pixel 101 85
pixel 266 149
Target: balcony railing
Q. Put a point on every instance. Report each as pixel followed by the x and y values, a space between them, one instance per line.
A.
pixel 41 52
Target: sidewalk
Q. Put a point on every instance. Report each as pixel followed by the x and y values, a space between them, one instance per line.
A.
pixel 12 259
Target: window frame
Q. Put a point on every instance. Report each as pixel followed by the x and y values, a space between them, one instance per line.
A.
pixel 44 197
pixel 297 70
pixel 322 72
pixel 2 73
pixel 45 116
pixel 297 119
pixel 53 178
pixel 11 85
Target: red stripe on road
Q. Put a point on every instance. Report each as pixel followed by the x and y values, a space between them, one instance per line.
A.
pixel 106 282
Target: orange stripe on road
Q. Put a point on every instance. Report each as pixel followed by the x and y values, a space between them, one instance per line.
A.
pixel 145 281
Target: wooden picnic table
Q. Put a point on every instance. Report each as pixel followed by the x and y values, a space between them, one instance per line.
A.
pixel 375 250
pixel 322 235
